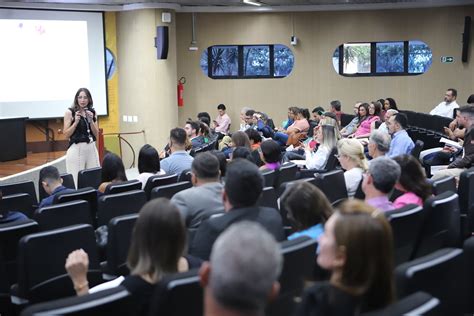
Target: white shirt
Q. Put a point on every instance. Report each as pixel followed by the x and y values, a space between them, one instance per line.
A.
pixel 444 109
pixel 383 128
pixel 352 178
pixel 143 177
pixel 317 160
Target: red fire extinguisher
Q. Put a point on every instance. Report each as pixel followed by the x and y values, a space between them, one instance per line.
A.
pixel 181 83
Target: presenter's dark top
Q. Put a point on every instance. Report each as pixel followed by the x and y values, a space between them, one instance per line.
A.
pixel 83 132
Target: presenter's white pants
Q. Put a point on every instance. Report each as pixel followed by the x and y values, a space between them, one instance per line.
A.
pixel 81 156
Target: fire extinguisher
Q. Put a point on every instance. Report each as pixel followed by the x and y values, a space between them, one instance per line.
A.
pixel 181 83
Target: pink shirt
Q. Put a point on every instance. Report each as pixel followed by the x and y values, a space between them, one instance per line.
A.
pixel 223 123
pixel 364 127
pixel 302 125
pixel 407 198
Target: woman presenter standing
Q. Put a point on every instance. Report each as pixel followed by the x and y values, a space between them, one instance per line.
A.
pixel 80 126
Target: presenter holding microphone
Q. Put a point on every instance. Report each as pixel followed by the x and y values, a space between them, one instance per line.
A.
pixel 80 126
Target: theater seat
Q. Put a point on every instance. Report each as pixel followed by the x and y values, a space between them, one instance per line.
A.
pixel 168 190
pixel 124 186
pixel 178 295
pixel 63 214
pixel 333 185
pixel 440 274
pixel 155 181
pixel 20 187
pixel 88 194
pixel 114 301
pixel 89 178
pixel 419 303
pixel 444 185
pixel 41 259
pixel 113 205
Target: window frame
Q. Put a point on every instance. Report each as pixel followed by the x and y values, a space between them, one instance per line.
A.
pixel 240 62
pixel 373 61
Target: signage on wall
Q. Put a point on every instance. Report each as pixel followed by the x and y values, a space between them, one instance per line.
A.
pixel 447 59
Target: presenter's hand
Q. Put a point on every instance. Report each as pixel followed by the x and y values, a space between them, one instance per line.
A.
pixel 77 118
pixel 89 115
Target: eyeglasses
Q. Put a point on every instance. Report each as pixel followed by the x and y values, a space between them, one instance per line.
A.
pixel 337 156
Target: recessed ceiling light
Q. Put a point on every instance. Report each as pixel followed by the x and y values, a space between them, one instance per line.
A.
pixel 252 2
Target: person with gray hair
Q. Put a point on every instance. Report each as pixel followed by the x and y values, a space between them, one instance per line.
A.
pixel 243 271
pixel 379 143
pixel 383 127
pixel 379 182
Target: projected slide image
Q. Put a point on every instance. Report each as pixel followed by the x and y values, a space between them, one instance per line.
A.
pixel 42 60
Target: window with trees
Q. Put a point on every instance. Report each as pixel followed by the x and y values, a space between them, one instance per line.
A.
pixel 402 58
pixel 247 61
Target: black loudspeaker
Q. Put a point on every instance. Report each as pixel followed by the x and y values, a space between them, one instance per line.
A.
pixel 161 42
pixel 466 38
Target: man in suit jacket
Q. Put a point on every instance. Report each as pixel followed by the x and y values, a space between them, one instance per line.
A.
pixel 243 186
pixel 205 198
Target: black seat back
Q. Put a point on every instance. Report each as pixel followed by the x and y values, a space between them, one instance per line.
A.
pixel 332 184
pixel 441 227
pixel 20 187
pixel 124 186
pixel 444 185
pixel 118 242
pixel 155 181
pixel 185 175
pixel 359 194
pixel 406 224
pixel 89 178
pixel 87 194
pixel 466 198
pixel 268 198
pixel 418 303
pixel 269 178
pixel 10 235
pixel 114 301
pixel 332 161
pixel 287 172
pixel 415 152
pixel 21 202
pixel 441 274
pixel 178 294
pixel 168 190
pixel 298 265
pixel 468 248
pixel 113 205
pixel 63 214
pixel 41 258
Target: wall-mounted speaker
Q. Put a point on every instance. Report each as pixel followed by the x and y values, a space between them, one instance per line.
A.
pixel 161 42
pixel 466 39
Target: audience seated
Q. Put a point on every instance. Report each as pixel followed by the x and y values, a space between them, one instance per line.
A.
pixel 243 186
pixel 379 144
pixel 270 154
pixel 242 152
pixel 446 108
pixel 222 121
pixel 300 125
pixel 308 209
pixel 412 182
pixel 243 124
pixel 148 164
pixel 205 197
pixel 243 272
pixel 179 160
pixel 52 184
pixel 369 114
pixel 356 247
pixel 401 143
pixel 326 137
pixel 465 161
pixel 205 133
pixel 254 137
pixel 157 246
pixel 352 159
pixel 113 171
pixel 352 126
pixel 379 181
pixel 316 114
pixel 9 216
pixel 238 139
pixel 383 127
pixel 390 104
pixel 291 118
pixel 262 125
pixel 192 129
pixel 335 107
pixel 204 117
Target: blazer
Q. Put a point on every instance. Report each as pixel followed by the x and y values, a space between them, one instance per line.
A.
pixel 210 229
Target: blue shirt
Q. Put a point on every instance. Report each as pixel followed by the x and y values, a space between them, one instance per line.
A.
pixel 177 162
pixel 313 232
pixel 12 216
pixel 49 200
pixel 401 144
